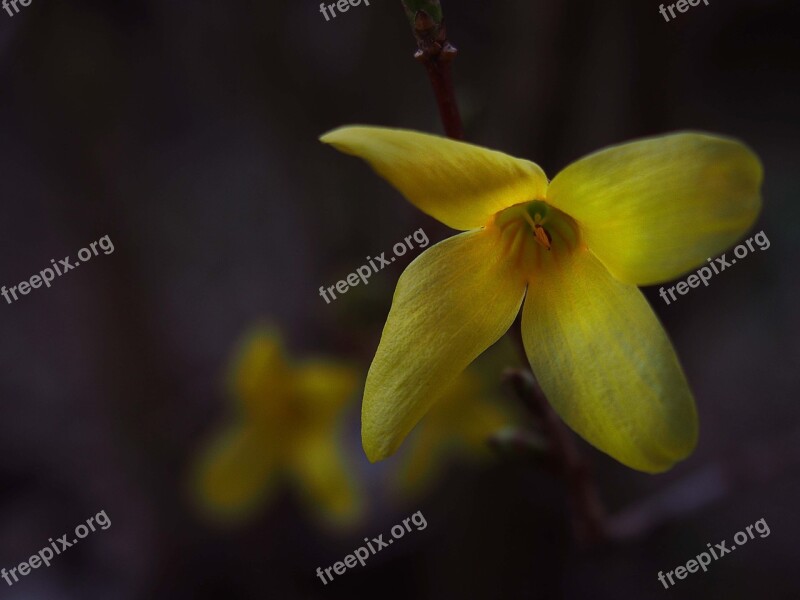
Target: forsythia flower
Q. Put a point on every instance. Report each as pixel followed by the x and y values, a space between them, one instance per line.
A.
pixel 285 429
pixel 575 249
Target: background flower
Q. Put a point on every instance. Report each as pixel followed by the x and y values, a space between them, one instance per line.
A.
pixel 287 427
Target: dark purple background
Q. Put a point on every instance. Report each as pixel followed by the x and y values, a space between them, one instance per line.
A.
pixel 186 131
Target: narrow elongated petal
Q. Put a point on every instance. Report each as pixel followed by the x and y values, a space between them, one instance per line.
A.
pixel 459 184
pixel 259 376
pixel 654 209
pixel 454 301
pixel 235 474
pixel 326 484
pixel 607 366
pixel 325 388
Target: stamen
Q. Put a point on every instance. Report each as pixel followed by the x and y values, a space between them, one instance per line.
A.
pixel 540 233
pixel 543 236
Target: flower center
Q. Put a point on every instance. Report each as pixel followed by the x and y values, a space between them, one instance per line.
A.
pixel 536 235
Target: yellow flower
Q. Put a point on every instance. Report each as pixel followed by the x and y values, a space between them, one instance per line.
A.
pixel 459 425
pixel 285 429
pixel 575 249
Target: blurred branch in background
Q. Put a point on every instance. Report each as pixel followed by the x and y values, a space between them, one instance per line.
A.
pixel 436 53
pixel 754 464
pixel 588 515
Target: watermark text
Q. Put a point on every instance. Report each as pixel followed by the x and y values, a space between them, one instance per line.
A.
pixel 360 555
pixel 45 555
pixel 702 560
pixel 47 275
pixel 717 265
pixel 364 272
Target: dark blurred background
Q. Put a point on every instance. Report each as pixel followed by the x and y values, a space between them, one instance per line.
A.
pixel 187 132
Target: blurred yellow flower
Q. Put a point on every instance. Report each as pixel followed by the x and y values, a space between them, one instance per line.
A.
pixel 575 250
pixel 286 428
pixel 458 426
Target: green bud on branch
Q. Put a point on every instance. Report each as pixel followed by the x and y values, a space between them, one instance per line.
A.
pixel 430 7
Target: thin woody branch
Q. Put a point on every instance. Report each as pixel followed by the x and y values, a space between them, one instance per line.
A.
pixel 588 514
pixel 436 53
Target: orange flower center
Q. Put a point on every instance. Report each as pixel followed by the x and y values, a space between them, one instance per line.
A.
pixel 536 235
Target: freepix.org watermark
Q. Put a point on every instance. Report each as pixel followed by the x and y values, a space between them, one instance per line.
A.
pixel 376 545
pixel 46 276
pixel 719 264
pixel 702 560
pixel 342 5
pixel 9 4
pixel 681 5
pixel 364 272
pixel 46 554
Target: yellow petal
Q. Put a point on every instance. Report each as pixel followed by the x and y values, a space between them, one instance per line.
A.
pixel 654 209
pixel 327 485
pixel 326 388
pixel 454 301
pixel 235 474
pixel 459 184
pixel 260 378
pixel 607 366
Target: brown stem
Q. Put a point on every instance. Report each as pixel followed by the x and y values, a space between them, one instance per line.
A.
pixel 436 53
pixel 586 507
